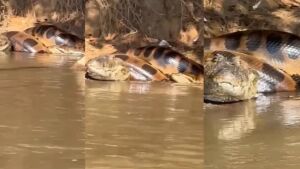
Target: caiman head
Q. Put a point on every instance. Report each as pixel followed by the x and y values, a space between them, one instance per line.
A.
pixel 107 68
pixel 227 78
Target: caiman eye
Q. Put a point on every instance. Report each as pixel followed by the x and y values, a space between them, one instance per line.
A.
pixel 217 57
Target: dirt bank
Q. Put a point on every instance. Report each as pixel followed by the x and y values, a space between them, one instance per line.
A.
pixel 223 16
pixel 122 24
pixel 21 14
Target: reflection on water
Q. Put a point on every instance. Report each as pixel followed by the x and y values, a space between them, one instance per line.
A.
pixel 53 118
pixel 260 134
pixel 21 60
pixel 142 125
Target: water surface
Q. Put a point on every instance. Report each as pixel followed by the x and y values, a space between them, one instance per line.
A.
pixel 258 134
pixel 42 113
pixel 53 118
pixel 143 125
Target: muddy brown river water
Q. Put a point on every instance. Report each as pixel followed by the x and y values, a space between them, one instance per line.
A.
pixel 258 134
pixel 51 117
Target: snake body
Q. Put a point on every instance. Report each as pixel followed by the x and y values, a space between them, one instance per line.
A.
pixel 280 49
pixel 155 63
pixel 236 65
pixel 53 36
pixel 123 67
pixel 45 39
pixel 168 61
pixel 272 55
pixel 22 42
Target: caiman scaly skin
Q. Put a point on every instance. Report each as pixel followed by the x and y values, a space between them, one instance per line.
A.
pixel 107 68
pixel 5 44
pixel 227 78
